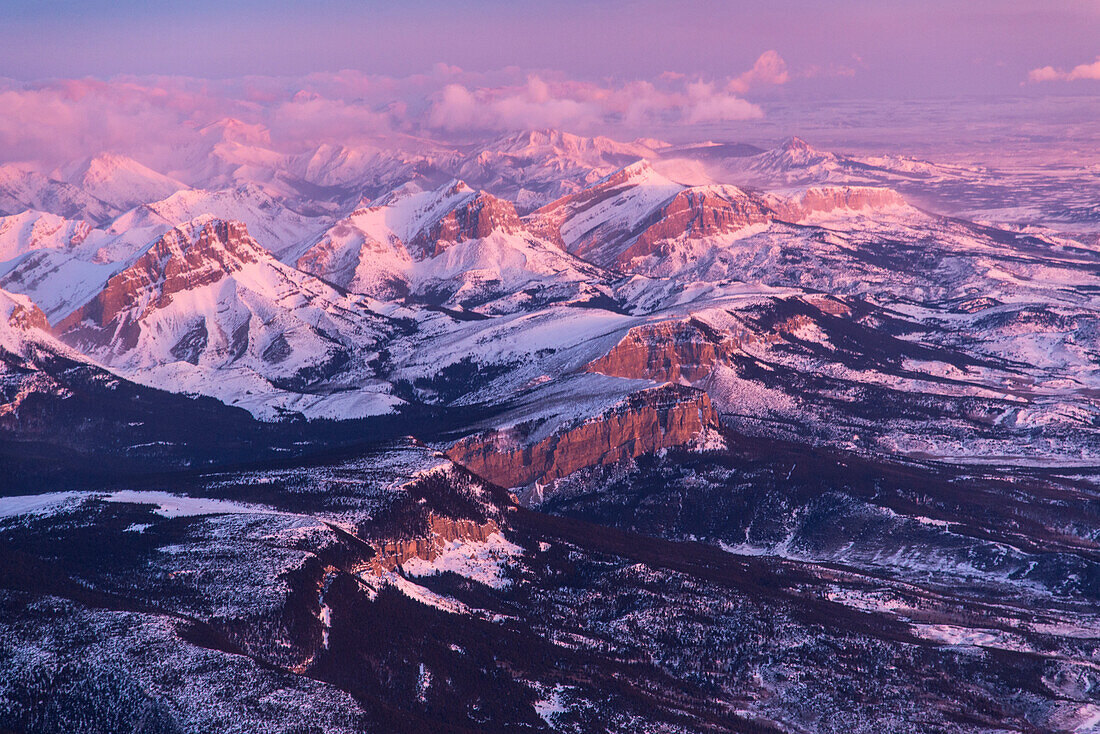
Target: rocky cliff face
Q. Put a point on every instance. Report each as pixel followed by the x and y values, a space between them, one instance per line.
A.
pixel 672 351
pixel 650 420
pixel 833 198
pixel 638 213
pixel 178 261
pixel 713 211
pixel 598 222
pixel 395 552
pixel 698 213
pixel 475 219
pixel 686 351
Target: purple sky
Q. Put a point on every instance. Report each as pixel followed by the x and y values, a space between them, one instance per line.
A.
pixel 77 78
pixel 855 48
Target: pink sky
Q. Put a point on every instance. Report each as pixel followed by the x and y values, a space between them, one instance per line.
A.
pixel 145 79
pixel 853 48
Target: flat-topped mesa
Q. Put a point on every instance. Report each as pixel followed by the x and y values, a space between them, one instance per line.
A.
pixel 647 421
pixel 441 531
pixel 177 261
pixel 670 351
pixel 825 199
pixel 687 351
pixel 473 219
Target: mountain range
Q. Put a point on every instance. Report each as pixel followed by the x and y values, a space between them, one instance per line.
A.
pixel 548 432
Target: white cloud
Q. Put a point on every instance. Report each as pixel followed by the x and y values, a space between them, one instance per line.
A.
pixel 709 105
pixel 769 69
pixel 1081 71
pixel 157 119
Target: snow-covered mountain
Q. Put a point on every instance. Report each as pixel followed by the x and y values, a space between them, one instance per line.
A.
pixel 365 304
pixel 451 245
pixel 269 219
pixel 119 181
pixel 761 423
pixel 206 309
pixel 628 216
pixel 599 221
pixel 36 230
pixel 536 167
pixel 22 189
pixel 62 262
pixel 795 162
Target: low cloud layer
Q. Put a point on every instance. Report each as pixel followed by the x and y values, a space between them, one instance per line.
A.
pixel 1081 71
pixel 156 119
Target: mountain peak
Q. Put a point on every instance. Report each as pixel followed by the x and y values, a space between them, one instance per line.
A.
pixel 471 218
pixel 794 143
pixel 120 180
pixel 103 166
pixel 232 130
pixel 197 253
pixel 638 173
pixel 455 187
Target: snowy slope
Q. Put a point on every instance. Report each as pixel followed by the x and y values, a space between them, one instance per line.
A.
pixel 596 222
pixel 120 181
pixel 637 214
pixel 274 224
pixel 206 309
pixel 22 189
pixel 450 245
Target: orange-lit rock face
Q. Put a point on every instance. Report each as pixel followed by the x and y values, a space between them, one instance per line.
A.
pixel 686 352
pixel 646 421
pixel 478 218
pixel 28 317
pixel 393 553
pixel 696 214
pixel 614 238
pixel 833 198
pixel 174 263
pixel 673 351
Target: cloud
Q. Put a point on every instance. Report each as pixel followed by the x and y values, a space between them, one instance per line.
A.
pixel 67 119
pixel 708 105
pixel 1050 74
pixel 769 69
pixel 167 121
pixel 581 105
pixel 536 104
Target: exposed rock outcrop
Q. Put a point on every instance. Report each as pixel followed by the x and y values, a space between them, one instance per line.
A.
pixel 474 219
pixel 650 420
pixel 833 198
pixel 442 530
pixel 22 313
pixel 671 351
pixel 698 213
pixel 175 262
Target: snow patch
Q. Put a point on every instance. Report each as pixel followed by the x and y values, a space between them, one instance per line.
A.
pixel 481 561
